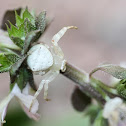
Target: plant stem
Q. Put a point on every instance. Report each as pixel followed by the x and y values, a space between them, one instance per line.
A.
pixel 104 86
pixel 81 79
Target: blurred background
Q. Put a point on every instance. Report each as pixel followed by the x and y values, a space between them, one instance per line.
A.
pixel 101 37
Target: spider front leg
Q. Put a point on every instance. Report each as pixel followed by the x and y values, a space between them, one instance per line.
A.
pixel 57 52
pixel 60 34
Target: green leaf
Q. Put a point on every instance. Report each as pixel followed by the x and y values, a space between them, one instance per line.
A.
pixel 18 34
pixel 121 89
pixel 17 41
pixel 23 77
pixel 16 66
pixel 114 70
pixel 5 68
pixel 31 37
pixel 41 21
pixel 21 32
pixel 12 58
pixel 14 69
pixel 28 26
pixel 27 15
pixel 19 20
pixel 28 29
pixel 24 26
pixel 13 30
pixel 100 121
pixel 7 60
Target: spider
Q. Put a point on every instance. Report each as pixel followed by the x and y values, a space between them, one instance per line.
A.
pixel 47 61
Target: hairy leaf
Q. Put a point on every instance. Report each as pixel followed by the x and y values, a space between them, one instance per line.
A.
pixel 18 35
pixel 27 15
pixel 14 70
pixel 31 37
pixel 17 32
pixel 16 66
pixel 19 20
pixel 12 30
pixel 121 88
pixel 7 60
pixel 114 70
pixel 13 58
pixel 23 77
pixel 17 41
pixel 23 26
pixel 41 21
pixel 28 26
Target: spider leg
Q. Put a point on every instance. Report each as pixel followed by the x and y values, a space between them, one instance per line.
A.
pixel 57 52
pixel 63 67
pixel 46 92
pixel 48 77
pixel 51 76
pixel 59 35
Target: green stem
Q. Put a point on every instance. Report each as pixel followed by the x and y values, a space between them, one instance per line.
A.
pixel 104 86
pixel 99 89
pixel 93 87
pixel 81 79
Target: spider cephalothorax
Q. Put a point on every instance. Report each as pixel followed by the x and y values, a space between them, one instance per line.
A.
pixel 47 61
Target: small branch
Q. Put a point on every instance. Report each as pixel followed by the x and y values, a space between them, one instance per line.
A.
pixel 80 78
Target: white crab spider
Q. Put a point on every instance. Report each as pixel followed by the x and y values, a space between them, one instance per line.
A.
pixel 47 61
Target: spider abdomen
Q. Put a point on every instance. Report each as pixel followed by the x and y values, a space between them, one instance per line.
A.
pixel 40 58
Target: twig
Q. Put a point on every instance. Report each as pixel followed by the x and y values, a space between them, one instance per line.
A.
pixel 80 78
